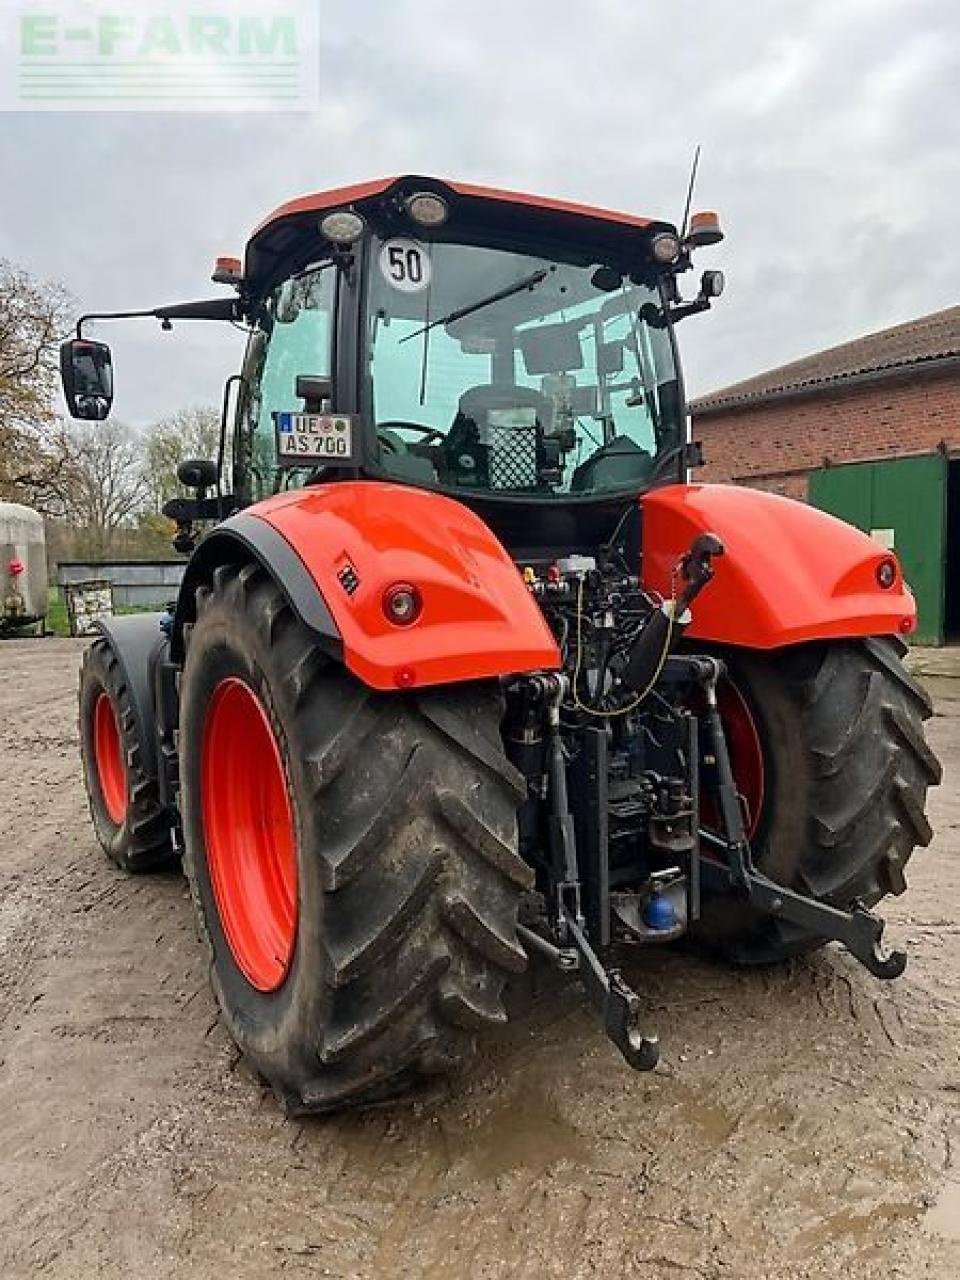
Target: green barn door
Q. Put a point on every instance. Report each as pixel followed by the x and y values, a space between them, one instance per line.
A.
pixel 907 496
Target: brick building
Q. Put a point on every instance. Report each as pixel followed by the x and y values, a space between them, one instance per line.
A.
pixel 868 430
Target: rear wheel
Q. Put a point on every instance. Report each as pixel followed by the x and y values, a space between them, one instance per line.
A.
pixel 352 855
pixel 128 818
pixel 828 751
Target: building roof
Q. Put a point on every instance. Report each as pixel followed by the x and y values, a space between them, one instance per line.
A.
pixel 930 338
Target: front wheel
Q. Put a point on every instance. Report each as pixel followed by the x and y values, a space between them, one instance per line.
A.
pixel 131 823
pixel 828 751
pixel 352 855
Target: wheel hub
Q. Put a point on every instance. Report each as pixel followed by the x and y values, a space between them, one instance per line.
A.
pixel 249 834
pixel 108 755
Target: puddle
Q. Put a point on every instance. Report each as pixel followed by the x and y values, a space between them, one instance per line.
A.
pixel 860 1228
pixel 526 1132
pixel 943 1217
pixel 713 1122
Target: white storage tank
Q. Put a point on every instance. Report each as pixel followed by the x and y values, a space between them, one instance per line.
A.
pixel 23 566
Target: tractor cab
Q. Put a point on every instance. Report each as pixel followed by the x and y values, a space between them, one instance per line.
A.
pixel 454 338
pixel 499 348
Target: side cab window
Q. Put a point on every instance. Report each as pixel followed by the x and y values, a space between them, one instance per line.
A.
pixel 293 336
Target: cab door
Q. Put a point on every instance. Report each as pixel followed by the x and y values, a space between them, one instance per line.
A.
pixel 292 337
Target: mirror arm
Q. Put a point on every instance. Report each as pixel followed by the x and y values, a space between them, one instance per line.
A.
pixel 109 315
pixel 214 309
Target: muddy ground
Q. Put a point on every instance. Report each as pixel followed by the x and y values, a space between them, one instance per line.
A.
pixel 803 1122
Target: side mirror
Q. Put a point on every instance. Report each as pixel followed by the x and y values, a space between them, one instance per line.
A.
pixel 86 371
pixel 197 473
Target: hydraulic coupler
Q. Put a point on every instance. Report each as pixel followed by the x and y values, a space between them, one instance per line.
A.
pixel 665 627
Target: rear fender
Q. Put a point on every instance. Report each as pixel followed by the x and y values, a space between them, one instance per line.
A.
pixel 790 573
pixel 239 540
pixel 335 549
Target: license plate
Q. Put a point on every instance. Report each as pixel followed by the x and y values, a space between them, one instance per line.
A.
pixel 315 437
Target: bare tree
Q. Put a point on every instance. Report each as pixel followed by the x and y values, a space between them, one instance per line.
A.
pixel 188 433
pixel 100 484
pixel 33 316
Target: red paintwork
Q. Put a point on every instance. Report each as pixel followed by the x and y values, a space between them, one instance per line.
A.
pixel 249 834
pixel 322 200
pixel 108 757
pixel 746 751
pixel 478 620
pixel 339 196
pixel 790 573
pixel 746 759
pixel 549 203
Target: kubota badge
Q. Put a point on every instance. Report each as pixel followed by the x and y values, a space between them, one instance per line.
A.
pixel 314 437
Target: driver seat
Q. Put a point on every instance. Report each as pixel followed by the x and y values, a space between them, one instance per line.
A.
pixel 506 451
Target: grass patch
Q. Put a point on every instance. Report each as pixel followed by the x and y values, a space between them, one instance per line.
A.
pixel 57 620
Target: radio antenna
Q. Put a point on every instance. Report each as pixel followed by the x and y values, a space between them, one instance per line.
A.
pixel 693 178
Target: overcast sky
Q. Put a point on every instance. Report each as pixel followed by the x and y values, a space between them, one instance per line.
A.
pixel 829 132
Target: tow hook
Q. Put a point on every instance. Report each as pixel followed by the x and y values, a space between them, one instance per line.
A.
pixel 617 1003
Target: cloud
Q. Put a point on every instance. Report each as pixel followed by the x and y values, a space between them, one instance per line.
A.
pixel 830 149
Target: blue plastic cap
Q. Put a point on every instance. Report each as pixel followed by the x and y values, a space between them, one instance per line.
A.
pixel 658 913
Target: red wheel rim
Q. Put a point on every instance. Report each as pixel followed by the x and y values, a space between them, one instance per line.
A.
pixel 249 831
pixel 746 756
pixel 108 754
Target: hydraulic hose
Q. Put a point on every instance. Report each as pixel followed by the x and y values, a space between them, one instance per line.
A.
pixel 652 648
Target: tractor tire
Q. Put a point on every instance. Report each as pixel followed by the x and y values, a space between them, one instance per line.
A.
pixel 846 771
pixel 388 885
pixel 131 823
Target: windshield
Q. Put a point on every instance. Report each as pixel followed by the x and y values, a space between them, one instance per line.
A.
pixel 509 374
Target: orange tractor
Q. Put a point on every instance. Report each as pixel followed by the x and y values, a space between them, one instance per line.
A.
pixel 463 670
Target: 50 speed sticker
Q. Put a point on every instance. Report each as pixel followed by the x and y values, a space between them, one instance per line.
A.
pixel 405 265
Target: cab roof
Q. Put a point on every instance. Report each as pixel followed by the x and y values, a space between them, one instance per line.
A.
pixel 470 204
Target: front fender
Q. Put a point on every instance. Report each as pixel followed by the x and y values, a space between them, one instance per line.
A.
pixel 138 642
pixel 790 573
pixel 357 538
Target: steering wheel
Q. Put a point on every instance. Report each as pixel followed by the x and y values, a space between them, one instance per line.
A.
pixel 428 433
